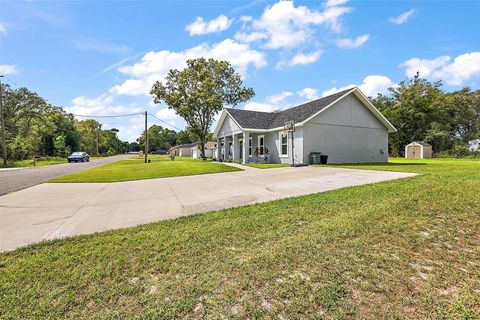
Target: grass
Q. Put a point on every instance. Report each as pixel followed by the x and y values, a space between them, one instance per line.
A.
pixel 403 249
pixel 266 165
pixel 135 169
pixel 44 161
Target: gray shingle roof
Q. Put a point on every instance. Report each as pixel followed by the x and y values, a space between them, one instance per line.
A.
pixel 267 120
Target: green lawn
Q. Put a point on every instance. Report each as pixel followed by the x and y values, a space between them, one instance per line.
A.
pixel 45 161
pixel 135 169
pixel 404 249
pixel 266 165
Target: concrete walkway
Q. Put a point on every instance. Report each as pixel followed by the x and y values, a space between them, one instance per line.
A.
pixel 52 210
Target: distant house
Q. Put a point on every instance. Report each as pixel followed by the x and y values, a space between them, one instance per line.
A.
pixel 345 126
pixel 210 148
pixel 418 150
pixel 183 150
pixel 474 145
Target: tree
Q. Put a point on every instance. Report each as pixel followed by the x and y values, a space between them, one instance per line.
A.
pixel 198 92
pixel 159 138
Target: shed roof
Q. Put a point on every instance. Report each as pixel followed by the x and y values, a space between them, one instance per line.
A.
pixel 420 143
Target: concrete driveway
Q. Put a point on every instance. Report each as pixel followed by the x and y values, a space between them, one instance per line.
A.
pixel 54 210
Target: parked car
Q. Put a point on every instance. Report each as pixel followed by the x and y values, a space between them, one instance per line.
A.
pixel 79 157
pixel 159 152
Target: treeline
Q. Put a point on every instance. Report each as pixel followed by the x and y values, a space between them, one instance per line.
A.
pixel 34 127
pixel 422 111
pixel 160 138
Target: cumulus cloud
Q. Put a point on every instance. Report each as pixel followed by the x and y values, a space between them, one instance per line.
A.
pixel 353 43
pixel 308 93
pixel 284 25
pixel 370 86
pixel 302 58
pixel 279 98
pixel 167 114
pixel 424 66
pixel 7 69
pixel 463 68
pixel 101 105
pixel 155 65
pixel 200 26
pixel 258 106
pixel 401 19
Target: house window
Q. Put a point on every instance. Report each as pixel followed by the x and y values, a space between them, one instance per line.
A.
pixel 260 145
pixel 250 143
pixel 283 144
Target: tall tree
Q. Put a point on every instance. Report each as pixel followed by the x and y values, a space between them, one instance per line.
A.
pixel 198 92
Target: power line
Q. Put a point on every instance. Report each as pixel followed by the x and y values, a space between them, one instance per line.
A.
pixel 168 124
pixel 109 116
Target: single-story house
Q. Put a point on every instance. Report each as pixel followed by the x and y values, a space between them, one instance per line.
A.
pixel 210 148
pixel 474 145
pixel 418 150
pixel 183 150
pixel 345 126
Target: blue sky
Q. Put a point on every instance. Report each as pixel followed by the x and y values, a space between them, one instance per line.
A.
pixel 101 57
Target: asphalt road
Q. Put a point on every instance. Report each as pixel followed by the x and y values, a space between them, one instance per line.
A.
pixel 14 180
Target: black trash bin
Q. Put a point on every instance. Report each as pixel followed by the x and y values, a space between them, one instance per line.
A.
pixel 315 157
pixel 323 159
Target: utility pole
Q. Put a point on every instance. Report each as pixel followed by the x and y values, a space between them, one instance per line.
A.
pixel 146 137
pixel 2 123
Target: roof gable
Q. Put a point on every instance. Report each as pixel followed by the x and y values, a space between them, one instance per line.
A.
pixel 257 120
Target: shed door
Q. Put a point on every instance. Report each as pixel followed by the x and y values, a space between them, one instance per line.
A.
pixel 410 152
pixel 417 152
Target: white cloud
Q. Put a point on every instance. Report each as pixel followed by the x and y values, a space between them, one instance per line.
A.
pixel 463 68
pixel 334 3
pixel 258 106
pixel 302 58
pixel 101 105
pixel 7 69
pixel 308 93
pixel 286 26
pixel 371 86
pixel 167 114
pixel 278 98
pixel 424 66
pixel 250 37
pixel 353 43
pixel 401 19
pixel 200 26
pixel 155 65
pixel 3 29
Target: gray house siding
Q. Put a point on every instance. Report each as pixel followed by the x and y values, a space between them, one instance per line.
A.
pixel 347 132
pixel 229 127
pixel 272 143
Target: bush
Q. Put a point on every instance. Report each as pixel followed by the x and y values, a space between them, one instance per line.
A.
pixel 172 156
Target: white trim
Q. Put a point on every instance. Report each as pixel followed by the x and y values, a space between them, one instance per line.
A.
pixel 263 145
pixel 222 119
pixel 280 154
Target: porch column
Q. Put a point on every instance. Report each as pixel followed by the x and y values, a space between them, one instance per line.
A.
pixel 219 148
pixel 234 147
pixel 246 141
pixel 225 148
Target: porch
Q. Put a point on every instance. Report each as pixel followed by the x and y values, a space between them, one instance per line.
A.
pixel 245 147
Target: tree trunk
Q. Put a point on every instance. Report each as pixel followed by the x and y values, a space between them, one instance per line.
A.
pixel 202 149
